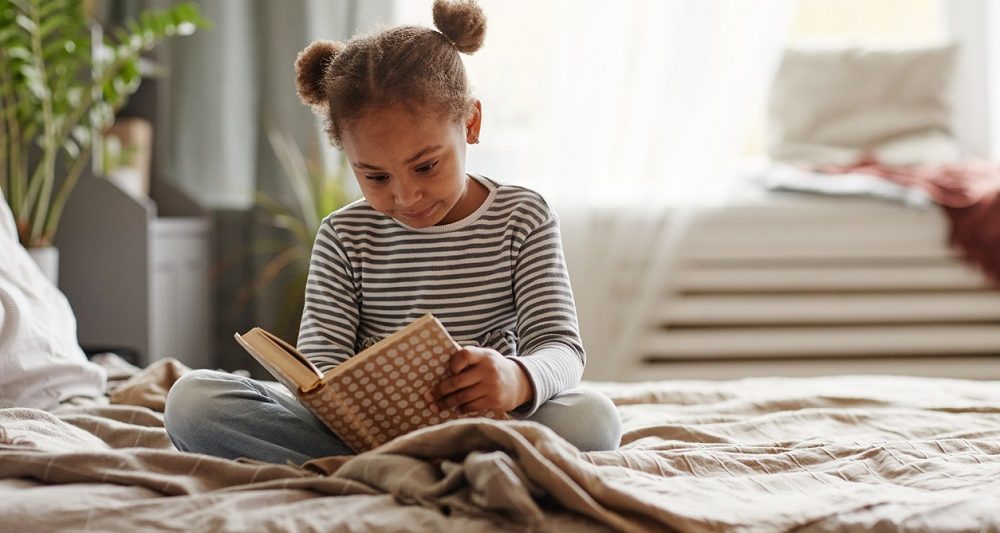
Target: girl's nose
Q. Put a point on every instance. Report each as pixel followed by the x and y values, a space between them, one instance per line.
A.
pixel 408 194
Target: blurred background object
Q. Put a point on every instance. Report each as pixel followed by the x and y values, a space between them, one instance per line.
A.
pixel 127 146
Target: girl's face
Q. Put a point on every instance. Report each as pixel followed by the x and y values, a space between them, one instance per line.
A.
pixel 411 165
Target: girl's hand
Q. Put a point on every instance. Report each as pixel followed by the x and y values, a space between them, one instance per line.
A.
pixel 481 379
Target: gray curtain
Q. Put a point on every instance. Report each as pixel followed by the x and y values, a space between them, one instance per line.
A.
pixel 227 84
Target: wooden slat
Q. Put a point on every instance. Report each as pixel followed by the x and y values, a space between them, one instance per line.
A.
pixel 987 367
pixel 815 227
pixel 821 341
pixel 811 247
pixel 847 227
pixel 935 277
pixel 820 211
pixel 830 309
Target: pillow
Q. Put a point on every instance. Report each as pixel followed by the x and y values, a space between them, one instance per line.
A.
pixel 835 105
pixel 41 363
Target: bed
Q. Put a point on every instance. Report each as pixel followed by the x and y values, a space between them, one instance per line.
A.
pixel 756 454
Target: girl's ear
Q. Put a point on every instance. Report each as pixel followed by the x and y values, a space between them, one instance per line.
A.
pixel 473 123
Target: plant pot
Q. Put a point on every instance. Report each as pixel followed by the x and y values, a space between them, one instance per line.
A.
pixel 47 259
pixel 131 181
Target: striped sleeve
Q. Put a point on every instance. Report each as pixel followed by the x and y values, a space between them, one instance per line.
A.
pixel 330 316
pixel 551 351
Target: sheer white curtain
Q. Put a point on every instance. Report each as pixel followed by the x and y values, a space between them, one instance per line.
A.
pixel 974 24
pixel 626 116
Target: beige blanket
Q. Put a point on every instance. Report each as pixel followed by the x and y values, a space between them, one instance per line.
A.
pixel 819 454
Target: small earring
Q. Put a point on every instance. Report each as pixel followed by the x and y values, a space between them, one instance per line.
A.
pixel 475 140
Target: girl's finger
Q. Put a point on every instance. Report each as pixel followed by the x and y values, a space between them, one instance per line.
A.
pixel 461 397
pixel 480 404
pixel 463 359
pixel 451 384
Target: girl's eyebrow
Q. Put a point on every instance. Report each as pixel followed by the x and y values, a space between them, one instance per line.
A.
pixel 418 155
pixel 423 152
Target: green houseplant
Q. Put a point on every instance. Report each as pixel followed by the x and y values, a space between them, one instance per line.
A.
pixel 315 188
pixel 58 87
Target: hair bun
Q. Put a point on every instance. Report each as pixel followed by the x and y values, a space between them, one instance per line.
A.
pixel 462 22
pixel 310 70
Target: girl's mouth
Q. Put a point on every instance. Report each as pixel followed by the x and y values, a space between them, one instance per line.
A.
pixel 419 214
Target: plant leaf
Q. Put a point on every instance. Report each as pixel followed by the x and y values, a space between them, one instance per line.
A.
pixel 18 52
pixel 47 8
pixel 82 135
pixel 26 23
pixel 71 148
pixel 23 5
pixel 59 22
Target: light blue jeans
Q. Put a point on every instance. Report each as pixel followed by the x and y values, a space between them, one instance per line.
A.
pixel 231 416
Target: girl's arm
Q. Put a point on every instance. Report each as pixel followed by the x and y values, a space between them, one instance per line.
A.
pixel 330 317
pixel 551 351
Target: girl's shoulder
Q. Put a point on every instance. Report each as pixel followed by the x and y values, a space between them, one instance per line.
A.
pixel 519 195
pixel 358 206
pixel 355 214
pixel 522 199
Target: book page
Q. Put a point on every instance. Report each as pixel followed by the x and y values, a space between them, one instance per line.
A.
pixel 283 361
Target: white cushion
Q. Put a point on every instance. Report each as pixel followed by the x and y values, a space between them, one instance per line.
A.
pixel 41 363
pixel 832 104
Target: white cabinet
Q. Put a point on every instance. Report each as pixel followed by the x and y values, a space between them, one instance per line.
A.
pixel 179 290
pixel 137 273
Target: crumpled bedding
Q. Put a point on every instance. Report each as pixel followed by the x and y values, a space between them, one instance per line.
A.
pixel 764 454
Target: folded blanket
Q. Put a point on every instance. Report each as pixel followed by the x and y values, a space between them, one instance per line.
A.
pixel 968 191
pixel 149 387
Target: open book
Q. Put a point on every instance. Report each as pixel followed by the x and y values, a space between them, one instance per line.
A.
pixel 378 394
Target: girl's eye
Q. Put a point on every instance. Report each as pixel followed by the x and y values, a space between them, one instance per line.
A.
pixel 377 178
pixel 423 169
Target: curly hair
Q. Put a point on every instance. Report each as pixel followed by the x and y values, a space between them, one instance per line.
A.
pixel 412 65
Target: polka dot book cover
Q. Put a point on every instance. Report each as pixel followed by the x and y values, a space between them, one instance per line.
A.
pixel 378 394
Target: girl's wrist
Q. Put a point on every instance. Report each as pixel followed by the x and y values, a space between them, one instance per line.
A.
pixel 525 390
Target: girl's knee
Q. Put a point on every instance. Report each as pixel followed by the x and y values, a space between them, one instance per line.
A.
pixel 605 432
pixel 586 418
pixel 189 403
pixel 191 389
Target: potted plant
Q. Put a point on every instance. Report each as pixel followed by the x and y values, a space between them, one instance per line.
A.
pixel 61 83
pixel 315 189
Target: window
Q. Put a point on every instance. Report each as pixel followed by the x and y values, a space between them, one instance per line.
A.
pixel 870 21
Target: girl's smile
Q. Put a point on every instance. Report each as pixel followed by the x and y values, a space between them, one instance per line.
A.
pixel 419 215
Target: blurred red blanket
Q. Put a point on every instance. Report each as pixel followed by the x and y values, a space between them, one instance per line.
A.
pixel 969 192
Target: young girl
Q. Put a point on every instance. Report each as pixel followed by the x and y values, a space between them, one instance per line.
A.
pixel 484 257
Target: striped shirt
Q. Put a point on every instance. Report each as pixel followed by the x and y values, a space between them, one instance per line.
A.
pixel 496 279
